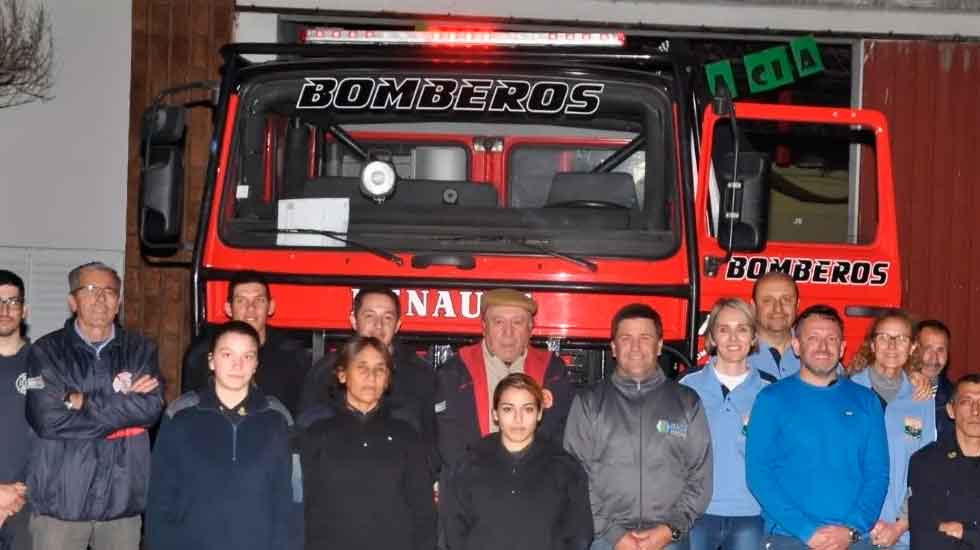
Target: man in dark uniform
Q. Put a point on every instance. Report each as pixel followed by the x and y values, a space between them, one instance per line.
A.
pixel 944 479
pixel 15 434
pixel 376 312
pixel 282 362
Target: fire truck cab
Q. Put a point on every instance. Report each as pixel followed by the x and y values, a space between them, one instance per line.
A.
pixel 566 165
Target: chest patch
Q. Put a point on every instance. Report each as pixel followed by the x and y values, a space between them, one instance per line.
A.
pixel 123 382
pixel 677 429
pixel 913 426
pixel 21 384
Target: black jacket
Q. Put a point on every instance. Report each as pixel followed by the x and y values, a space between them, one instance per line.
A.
pixel 462 399
pixel 536 501
pixel 223 480
pixel 412 391
pixel 282 365
pixel 366 484
pixel 945 486
pixel 944 391
pixel 84 468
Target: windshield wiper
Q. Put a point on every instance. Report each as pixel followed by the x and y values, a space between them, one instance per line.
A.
pixel 535 245
pixel 342 237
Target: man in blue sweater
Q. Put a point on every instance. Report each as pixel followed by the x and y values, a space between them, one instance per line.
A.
pixel 816 452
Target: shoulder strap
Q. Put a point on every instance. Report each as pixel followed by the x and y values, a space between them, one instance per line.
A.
pixel 188 400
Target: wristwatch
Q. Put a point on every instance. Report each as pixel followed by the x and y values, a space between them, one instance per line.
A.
pixel 67 401
pixel 855 536
pixel 675 534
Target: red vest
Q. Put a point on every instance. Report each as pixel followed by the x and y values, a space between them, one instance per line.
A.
pixel 535 366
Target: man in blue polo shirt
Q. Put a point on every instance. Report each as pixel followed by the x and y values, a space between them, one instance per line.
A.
pixel 776 298
pixel 816 451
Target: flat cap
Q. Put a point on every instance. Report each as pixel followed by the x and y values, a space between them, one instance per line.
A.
pixel 507 297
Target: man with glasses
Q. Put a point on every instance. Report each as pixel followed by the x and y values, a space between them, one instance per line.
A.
pixel 14 431
pixel 282 362
pixel 93 390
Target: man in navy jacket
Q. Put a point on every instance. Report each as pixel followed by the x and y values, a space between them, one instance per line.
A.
pixel 93 391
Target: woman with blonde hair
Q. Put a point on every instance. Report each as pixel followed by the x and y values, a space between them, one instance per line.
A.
pixel 886 364
pixel 728 387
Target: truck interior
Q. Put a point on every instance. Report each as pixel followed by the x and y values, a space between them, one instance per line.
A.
pixel 601 185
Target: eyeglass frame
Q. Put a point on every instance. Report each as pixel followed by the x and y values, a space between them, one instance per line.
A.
pixel 13 302
pixel 96 291
pixel 889 339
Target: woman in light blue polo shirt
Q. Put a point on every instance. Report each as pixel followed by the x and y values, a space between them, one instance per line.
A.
pixel 728 387
pixel 884 364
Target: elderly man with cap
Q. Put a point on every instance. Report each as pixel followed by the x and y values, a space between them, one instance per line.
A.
pixel 466 382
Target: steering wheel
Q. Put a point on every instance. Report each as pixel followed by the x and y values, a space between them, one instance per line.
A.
pixel 586 204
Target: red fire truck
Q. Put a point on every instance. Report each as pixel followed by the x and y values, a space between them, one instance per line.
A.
pixel 584 172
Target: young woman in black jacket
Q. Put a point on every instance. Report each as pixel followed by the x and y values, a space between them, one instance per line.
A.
pixel 365 473
pixel 513 490
pixel 223 475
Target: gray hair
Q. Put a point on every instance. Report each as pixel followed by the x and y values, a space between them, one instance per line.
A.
pixel 731 303
pixel 75 275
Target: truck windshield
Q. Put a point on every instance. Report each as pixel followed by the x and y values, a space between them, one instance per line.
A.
pixel 580 166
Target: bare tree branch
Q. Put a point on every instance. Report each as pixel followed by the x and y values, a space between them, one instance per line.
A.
pixel 26 54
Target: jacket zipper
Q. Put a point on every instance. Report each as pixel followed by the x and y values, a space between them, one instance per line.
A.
pixel 234 442
pixel 639 518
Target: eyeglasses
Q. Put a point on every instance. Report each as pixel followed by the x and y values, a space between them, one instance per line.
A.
pixel 13 302
pixel 96 292
pixel 884 339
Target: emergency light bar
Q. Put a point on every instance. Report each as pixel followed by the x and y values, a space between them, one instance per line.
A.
pixel 322 35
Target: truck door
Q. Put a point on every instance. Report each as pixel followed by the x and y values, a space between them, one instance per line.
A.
pixel 817 202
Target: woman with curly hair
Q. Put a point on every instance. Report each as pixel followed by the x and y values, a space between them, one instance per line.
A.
pixel 886 364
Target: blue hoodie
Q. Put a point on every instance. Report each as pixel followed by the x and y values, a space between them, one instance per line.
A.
pixel 910 425
pixel 817 456
pixel 728 418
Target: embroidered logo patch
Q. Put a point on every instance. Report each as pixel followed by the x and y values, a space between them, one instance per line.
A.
pixel 672 428
pixel 32 383
pixel 913 426
pixel 440 407
pixel 123 382
pixel 21 383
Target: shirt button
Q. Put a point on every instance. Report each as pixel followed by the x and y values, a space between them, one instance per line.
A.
pixel 365 443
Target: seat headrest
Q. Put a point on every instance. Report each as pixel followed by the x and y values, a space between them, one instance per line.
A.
pixel 612 187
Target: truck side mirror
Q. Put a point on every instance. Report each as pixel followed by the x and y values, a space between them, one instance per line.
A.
pixel 161 198
pixel 744 220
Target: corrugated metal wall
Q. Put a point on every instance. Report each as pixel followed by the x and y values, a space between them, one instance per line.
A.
pixel 174 42
pixel 929 92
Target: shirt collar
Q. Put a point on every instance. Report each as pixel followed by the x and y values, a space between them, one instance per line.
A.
pixel 97 347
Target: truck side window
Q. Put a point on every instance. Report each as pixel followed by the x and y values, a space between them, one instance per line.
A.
pixel 822 184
